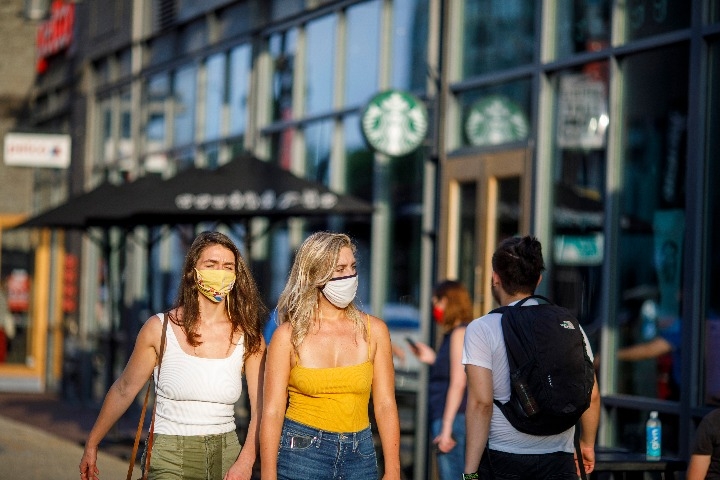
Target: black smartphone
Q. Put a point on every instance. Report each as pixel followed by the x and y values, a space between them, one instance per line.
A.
pixel 411 342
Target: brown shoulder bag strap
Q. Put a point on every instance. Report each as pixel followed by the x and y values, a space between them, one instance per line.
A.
pixel 142 414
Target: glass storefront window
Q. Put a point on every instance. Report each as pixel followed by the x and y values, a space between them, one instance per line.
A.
pixel 106 145
pixel 652 220
pixel 318 139
pixel 282 48
pixel 495 115
pixel 156 95
pixel 645 18
pixel 358 160
pixel 497 34
pixel 161 49
pixel 125 143
pixel 714 13
pixel 320 64
pixel 362 52
pixel 235 20
pixel 281 146
pixel 185 101
pixel 578 249
pixel 711 372
pixel 582 26
pixel 409 44
pixel 239 87
pixel 214 95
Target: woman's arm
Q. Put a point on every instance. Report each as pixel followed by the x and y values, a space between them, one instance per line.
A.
pixel 254 370
pixel 455 393
pixel 383 394
pixel 122 392
pixel 277 375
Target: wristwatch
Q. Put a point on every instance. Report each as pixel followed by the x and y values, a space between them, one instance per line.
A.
pixel 470 476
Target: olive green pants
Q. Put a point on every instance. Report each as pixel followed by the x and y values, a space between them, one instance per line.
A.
pixel 203 457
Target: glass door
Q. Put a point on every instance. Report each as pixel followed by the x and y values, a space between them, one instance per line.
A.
pixel 485 199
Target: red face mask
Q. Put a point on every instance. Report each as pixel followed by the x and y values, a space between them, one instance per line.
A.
pixel 438 314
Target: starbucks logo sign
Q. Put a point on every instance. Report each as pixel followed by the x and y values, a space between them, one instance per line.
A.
pixel 394 123
pixel 494 120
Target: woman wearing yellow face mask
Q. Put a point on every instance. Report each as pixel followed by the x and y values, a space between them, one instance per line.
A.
pixel 213 336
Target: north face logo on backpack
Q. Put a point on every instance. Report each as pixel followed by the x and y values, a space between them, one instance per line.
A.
pixel 551 374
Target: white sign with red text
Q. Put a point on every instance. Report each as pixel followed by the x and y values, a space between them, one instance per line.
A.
pixel 37 150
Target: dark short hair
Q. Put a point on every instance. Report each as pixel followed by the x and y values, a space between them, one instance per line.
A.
pixel 518 261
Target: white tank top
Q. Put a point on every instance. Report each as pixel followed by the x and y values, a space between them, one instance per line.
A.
pixel 196 396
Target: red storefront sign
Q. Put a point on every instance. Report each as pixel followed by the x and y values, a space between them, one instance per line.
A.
pixel 55 34
pixel 18 285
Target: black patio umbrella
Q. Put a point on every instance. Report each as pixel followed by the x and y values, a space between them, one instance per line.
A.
pixel 94 208
pixel 73 213
pixel 242 189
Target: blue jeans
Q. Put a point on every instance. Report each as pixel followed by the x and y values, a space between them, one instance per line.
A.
pixel 308 453
pixel 497 465
pixel 452 464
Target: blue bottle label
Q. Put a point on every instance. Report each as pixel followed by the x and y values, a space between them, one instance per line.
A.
pixel 653 442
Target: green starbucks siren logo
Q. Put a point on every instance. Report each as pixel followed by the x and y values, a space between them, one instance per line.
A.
pixel 394 123
pixel 494 120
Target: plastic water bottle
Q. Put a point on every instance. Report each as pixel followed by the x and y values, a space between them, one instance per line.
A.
pixel 529 405
pixel 653 431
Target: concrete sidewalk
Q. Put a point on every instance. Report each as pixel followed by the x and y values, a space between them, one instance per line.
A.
pixel 42 437
pixel 29 453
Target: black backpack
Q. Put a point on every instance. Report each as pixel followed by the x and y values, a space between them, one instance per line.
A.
pixel 551 375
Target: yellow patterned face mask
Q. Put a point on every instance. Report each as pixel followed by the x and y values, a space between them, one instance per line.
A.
pixel 214 284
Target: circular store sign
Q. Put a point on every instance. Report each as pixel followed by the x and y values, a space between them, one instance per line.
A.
pixel 494 120
pixel 394 123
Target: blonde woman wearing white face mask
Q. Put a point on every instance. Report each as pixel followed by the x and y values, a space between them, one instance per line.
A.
pixel 325 360
pixel 213 337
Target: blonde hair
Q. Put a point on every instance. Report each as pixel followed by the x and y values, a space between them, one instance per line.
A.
pixel 314 264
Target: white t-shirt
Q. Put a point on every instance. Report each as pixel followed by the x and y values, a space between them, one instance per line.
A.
pixel 197 396
pixel 484 347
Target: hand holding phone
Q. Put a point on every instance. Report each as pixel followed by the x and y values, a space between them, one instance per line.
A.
pixel 411 342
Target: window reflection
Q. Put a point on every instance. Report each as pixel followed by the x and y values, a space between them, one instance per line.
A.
pixel 495 115
pixel 362 52
pixel 239 87
pixel 156 95
pixel 282 49
pixel 497 34
pixel 319 64
pixel 652 209
pixel 582 25
pixel 185 85
pixel 578 249
pixel 409 44
pixel 317 160
pixel 712 315
pixel 214 95
pixel 652 17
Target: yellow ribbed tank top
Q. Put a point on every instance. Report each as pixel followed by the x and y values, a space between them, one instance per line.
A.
pixel 333 399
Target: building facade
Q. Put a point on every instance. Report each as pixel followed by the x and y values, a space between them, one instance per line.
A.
pixel 590 124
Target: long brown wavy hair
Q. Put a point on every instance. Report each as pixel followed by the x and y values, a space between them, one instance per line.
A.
pixel 313 267
pixel 245 307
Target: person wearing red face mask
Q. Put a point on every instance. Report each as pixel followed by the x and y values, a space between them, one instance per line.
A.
pixel 452 311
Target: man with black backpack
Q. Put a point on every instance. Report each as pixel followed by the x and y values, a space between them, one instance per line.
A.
pixel 529 379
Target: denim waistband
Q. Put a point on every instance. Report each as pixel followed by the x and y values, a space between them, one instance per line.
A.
pixel 325 436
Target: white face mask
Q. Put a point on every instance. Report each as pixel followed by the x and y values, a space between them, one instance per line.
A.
pixel 341 291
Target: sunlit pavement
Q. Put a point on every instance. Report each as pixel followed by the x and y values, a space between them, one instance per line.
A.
pixel 29 453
